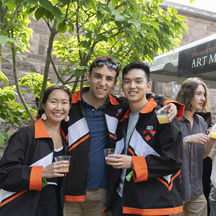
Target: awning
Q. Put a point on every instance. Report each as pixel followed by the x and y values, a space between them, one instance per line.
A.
pixel 195 59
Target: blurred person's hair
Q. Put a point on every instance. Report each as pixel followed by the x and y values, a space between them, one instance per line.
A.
pixel 187 91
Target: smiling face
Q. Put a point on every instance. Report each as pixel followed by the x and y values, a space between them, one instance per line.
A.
pixel 135 85
pixel 57 105
pixel 101 81
pixel 199 98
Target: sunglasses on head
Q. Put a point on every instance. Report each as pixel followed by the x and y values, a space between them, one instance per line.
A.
pixel 110 65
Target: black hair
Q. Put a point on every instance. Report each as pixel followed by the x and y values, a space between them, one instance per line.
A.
pixel 138 65
pixel 48 92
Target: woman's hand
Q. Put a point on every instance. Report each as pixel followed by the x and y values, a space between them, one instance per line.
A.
pixel 119 161
pixel 199 138
pixel 56 169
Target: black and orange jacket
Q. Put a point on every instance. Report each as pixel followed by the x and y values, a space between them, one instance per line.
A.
pixel 78 136
pixel 156 150
pixel 28 150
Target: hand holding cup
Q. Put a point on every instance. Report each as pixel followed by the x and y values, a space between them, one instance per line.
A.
pixel 163 117
pixel 108 151
pixel 63 158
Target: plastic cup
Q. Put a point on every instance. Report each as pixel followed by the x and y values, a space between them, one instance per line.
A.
pixel 63 158
pixel 163 118
pixel 212 134
pixel 108 151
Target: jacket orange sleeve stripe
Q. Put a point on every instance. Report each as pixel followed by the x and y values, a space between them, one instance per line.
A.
pixel 12 198
pixel 180 107
pixel 69 198
pixel 140 168
pixel 36 178
pixel 162 211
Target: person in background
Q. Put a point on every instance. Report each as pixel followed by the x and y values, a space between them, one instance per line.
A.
pixel 193 94
pixel 31 182
pixel 207 163
pixel 212 194
pixel 94 117
pixel 148 155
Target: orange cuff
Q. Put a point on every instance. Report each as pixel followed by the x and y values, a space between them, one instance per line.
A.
pixel 69 198
pixel 140 168
pixel 36 178
pixel 180 107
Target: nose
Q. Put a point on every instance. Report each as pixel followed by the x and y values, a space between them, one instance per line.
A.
pixel 58 106
pixel 103 81
pixel 203 98
pixel 132 84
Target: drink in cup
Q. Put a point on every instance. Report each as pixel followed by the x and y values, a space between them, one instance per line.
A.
pixel 212 133
pixel 63 158
pixel 163 118
pixel 108 151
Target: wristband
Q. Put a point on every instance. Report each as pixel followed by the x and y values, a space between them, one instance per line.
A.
pixel 186 140
pixel 44 182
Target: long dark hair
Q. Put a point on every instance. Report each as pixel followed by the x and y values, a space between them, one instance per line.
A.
pixel 47 93
pixel 187 91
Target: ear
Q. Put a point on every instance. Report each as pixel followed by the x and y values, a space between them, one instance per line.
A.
pixel 149 85
pixel 43 106
pixel 115 82
pixel 88 76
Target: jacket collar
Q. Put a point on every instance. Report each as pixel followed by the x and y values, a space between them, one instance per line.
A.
pixel 40 130
pixel 151 104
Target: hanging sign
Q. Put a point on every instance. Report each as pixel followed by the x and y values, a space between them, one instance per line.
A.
pixel 198 59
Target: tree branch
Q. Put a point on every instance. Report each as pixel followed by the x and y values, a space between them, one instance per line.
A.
pixel 67 81
pixel 17 85
pixel 125 54
pixel 12 18
pixel 56 72
pixel 77 29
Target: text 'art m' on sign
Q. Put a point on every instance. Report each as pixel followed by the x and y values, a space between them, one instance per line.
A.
pixel 198 59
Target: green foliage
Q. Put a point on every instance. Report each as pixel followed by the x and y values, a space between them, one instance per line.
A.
pixel 3 134
pixel 3 78
pixel 125 30
pixel 12 112
pixel 32 82
pixel 14 29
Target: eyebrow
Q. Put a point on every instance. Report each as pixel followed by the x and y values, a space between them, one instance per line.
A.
pixel 136 78
pixel 201 92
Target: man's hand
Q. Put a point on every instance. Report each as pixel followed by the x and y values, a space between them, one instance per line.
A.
pixel 119 161
pixel 171 110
